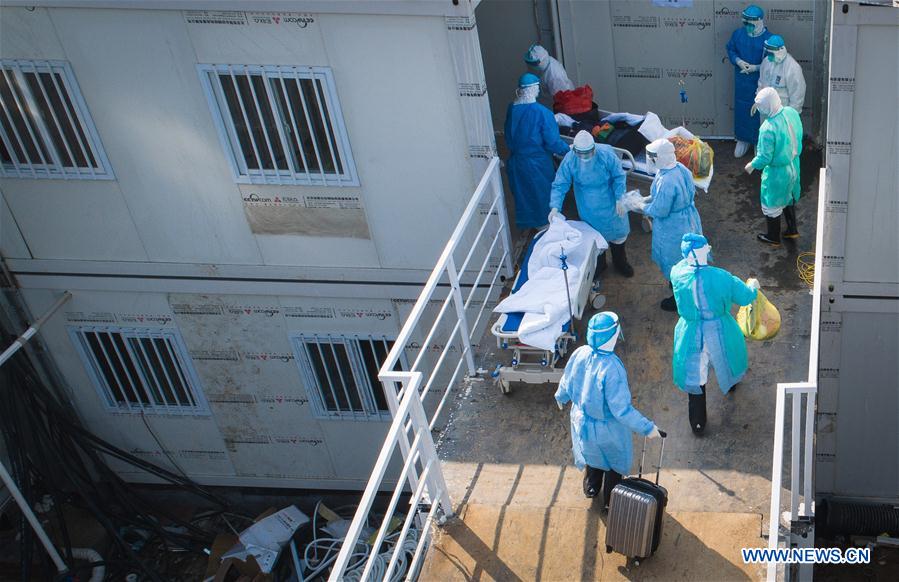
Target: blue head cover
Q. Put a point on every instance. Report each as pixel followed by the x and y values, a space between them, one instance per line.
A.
pixel 528 79
pixel 774 42
pixel 753 12
pixel 691 242
pixel 602 327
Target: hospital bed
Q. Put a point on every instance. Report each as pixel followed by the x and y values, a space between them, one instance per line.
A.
pixel 531 365
pixel 633 160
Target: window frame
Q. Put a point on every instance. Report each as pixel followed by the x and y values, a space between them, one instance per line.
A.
pixel 231 145
pixel 38 127
pixel 188 375
pixel 315 391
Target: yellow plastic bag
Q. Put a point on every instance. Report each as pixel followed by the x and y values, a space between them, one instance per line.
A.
pixel 759 320
pixel 697 155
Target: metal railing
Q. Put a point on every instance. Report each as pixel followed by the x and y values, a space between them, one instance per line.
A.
pixel 802 438
pixel 441 336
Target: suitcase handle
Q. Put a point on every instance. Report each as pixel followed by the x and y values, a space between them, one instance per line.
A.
pixel 664 436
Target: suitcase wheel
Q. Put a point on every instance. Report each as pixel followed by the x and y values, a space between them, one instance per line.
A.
pixel 608 549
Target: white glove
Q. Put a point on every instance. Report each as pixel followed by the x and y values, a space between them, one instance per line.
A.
pixel 552 214
pixel 564 120
pixel 620 208
pixel 655 434
pixel 749 168
pixel 644 202
pixel 561 406
pixel 753 284
pixel 746 68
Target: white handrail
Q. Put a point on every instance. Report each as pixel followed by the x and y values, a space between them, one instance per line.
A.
pixel 799 442
pixel 406 390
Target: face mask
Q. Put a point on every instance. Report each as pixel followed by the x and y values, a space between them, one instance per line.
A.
pixel 749 27
pixel 770 56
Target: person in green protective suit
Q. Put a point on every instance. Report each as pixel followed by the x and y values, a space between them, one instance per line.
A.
pixel 706 333
pixel 777 155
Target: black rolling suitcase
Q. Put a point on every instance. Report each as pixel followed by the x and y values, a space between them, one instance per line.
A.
pixel 636 510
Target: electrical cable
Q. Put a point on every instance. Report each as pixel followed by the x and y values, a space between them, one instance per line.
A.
pixel 51 454
pixel 805 264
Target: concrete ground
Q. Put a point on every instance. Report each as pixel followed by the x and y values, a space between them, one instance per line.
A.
pixel 507 459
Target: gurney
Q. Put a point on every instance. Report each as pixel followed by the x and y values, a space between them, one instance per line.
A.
pixel 633 157
pixel 538 365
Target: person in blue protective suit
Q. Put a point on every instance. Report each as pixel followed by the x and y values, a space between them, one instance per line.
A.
pixel 599 181
pixel 746 48
pixel 670 204
pixel 706 333
pixel 777 155
pixel 602 416
pixel 532 136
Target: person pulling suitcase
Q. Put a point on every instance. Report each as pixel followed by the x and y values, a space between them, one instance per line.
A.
pixel 602 416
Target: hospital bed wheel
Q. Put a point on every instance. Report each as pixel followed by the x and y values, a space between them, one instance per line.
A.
pixel 598 301
pixel 505 386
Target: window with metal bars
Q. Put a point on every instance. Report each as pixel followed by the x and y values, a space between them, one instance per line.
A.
pixel 279 124
pixel 341 374
pixel 45 128
pixel 140 370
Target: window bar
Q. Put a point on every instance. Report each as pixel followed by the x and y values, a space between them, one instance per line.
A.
pixel 165 372
pixel 12 154
pixel 123 361
pixel 283 82
pixel 149 365
pixel 321 354
pixel 321 167
pixel 218 90
pixel 318 398
pixel 319 97
pixel 340 373
pixel 246 120
pixel 112 368
pixel 268 139
pixel 62 134
pixel 178 365
pixel 278 117
pixel 15 131
pixel 84 149
pixel 34 118
pixel 366 390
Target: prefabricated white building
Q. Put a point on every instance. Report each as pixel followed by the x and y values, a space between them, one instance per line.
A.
pixel 244 204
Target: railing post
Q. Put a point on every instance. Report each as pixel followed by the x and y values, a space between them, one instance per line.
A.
pixel 393 404
pixel 776 470
pixel 497 183
pixel 809 451
pixel 460 313
pixel 436 483
pixel 795 450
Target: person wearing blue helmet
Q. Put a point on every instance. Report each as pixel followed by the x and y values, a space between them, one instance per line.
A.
pixel 671 205
pixel 532 137
pixel 781 72
pixel 706 333
pixel 599 181
pixel 602 415
pixel 745 49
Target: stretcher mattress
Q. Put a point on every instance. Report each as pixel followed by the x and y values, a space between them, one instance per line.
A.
pixel 513 320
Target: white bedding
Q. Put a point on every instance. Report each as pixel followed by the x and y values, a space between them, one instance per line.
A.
pixel 542 298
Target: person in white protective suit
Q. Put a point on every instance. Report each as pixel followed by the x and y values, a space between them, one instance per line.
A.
pixel 553 77
pixel 781 72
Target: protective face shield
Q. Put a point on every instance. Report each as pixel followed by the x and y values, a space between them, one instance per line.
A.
pixel 603 331
pixel 767 102
pixel 660 155
pixel 696 248
pixel 775 50
pixel 584 146
pixel 752 20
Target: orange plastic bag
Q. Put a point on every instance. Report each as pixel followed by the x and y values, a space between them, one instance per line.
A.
pixel 578 100
pixel 759 320
pixel 697 155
